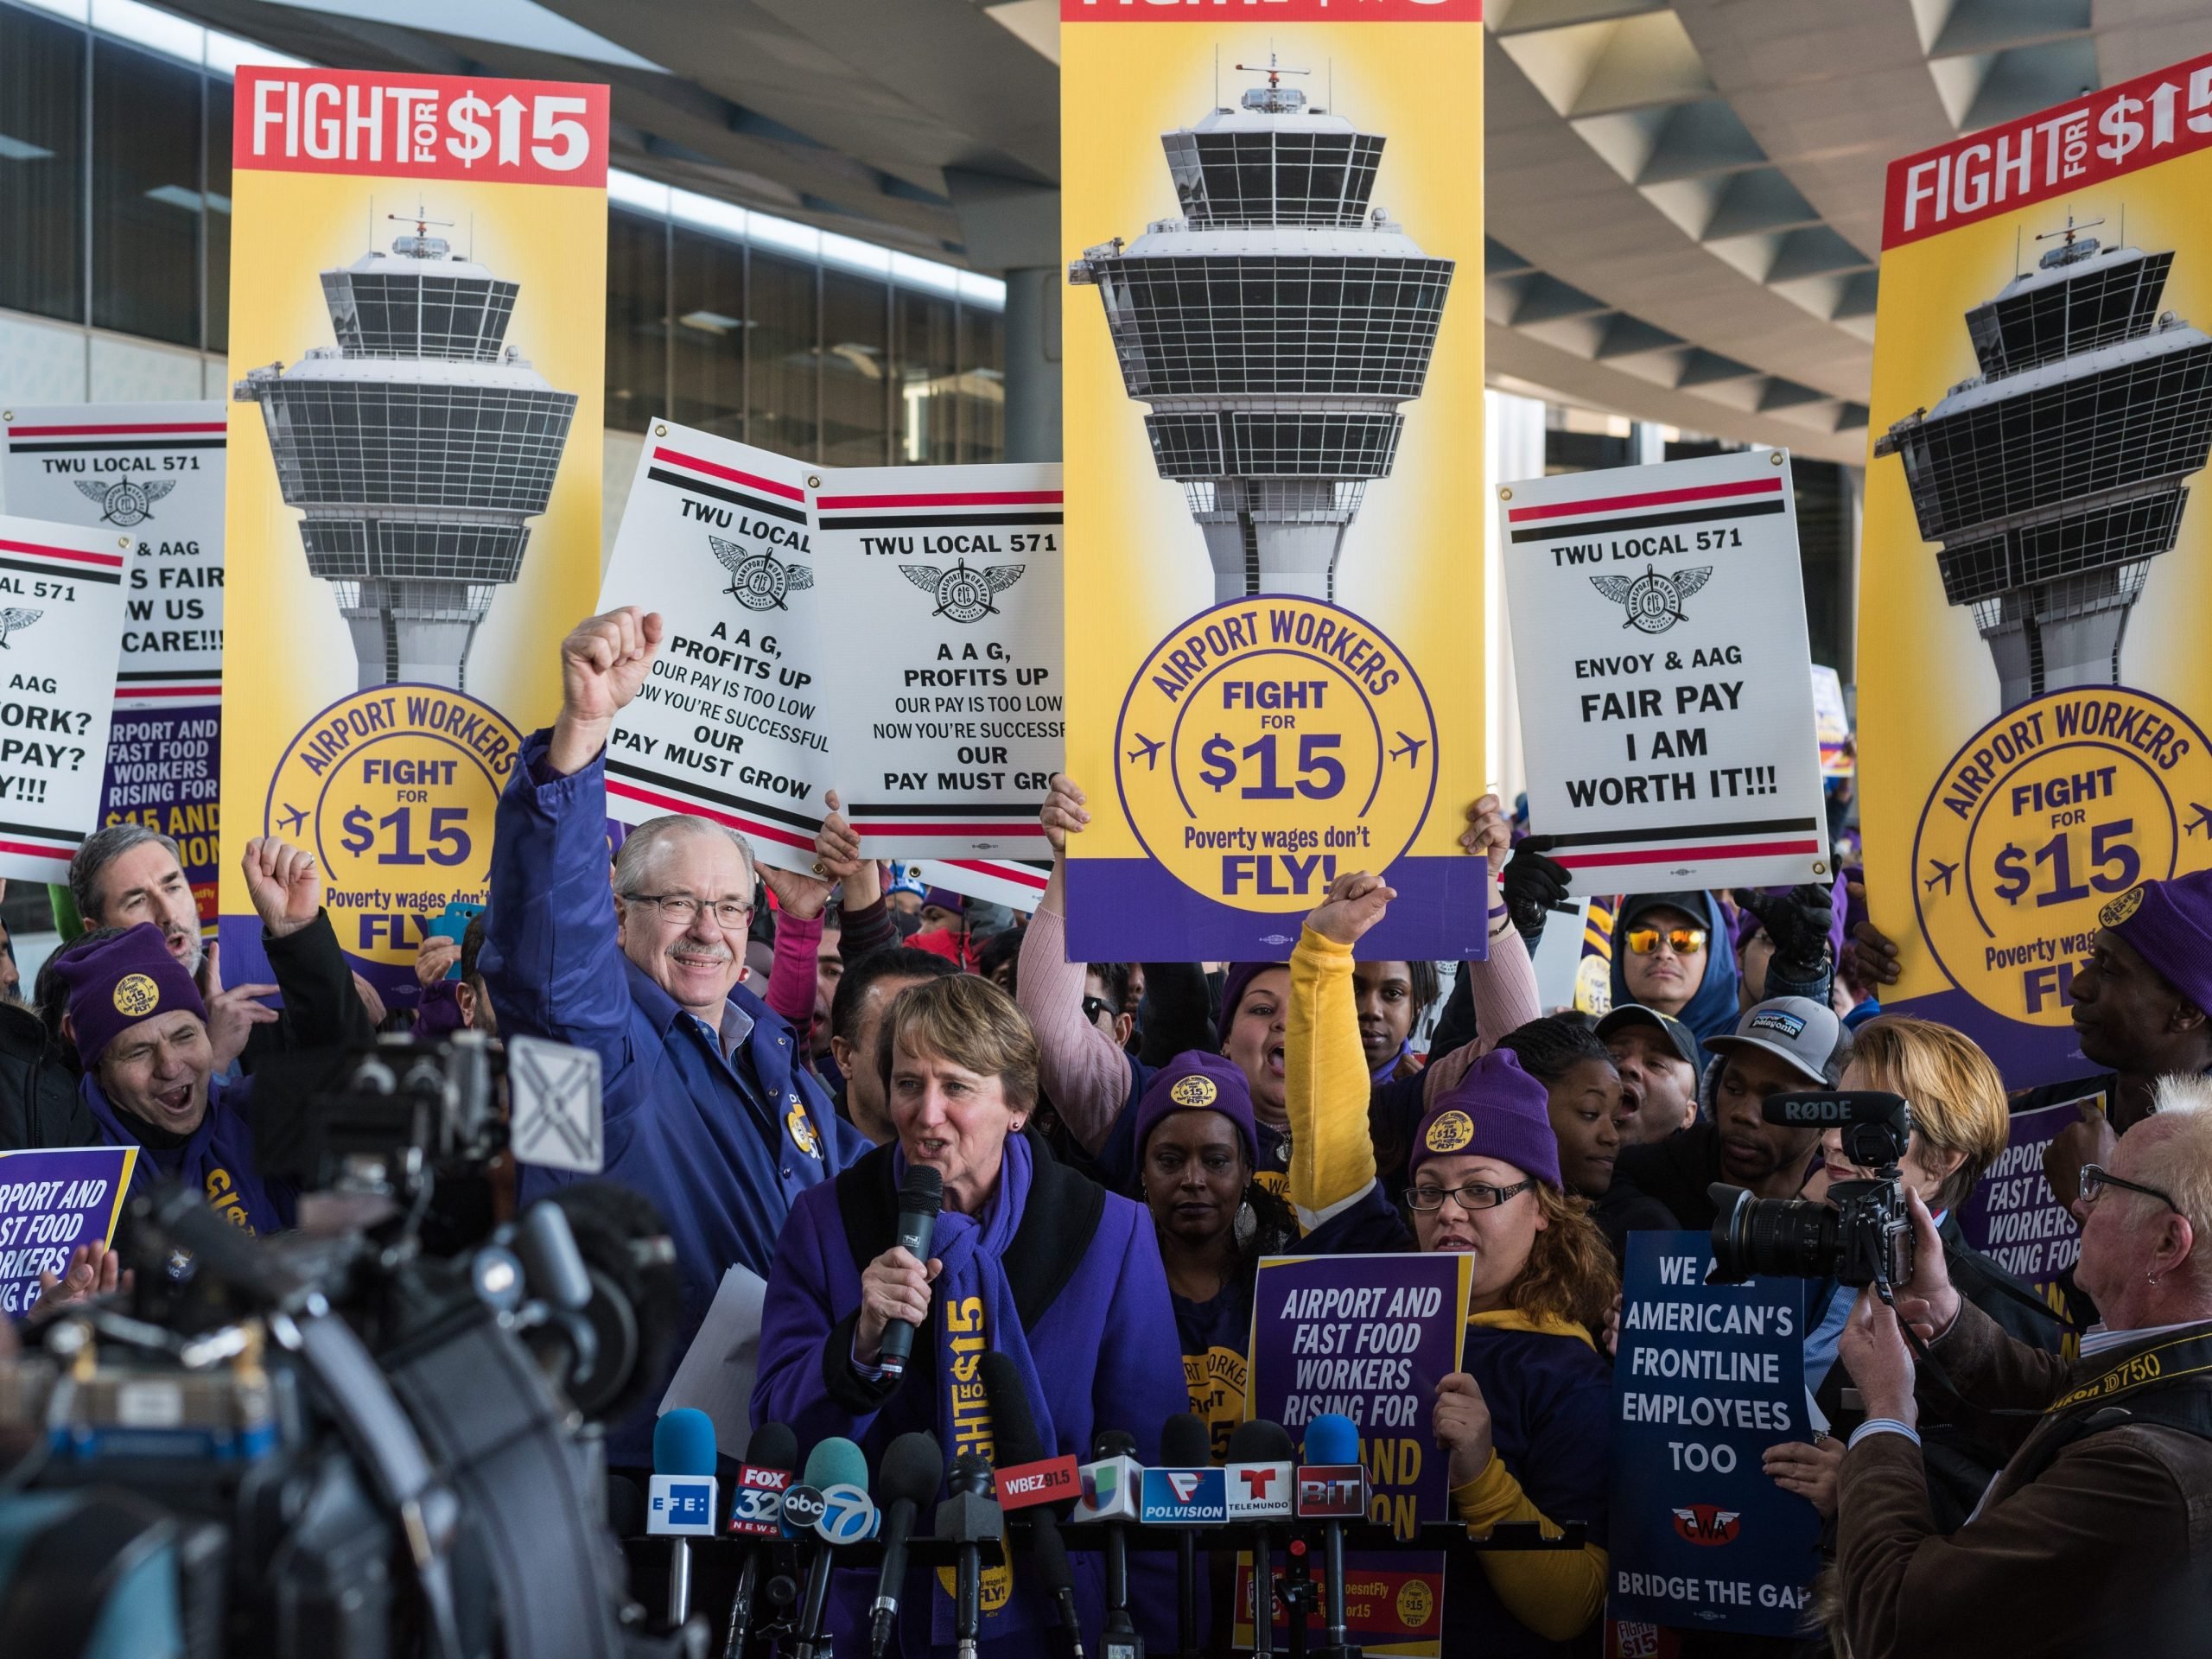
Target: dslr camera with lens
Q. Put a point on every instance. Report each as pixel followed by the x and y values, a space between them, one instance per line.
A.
pixel 1862 1236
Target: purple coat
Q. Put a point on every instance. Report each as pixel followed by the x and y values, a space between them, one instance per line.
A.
pixel 1101 1354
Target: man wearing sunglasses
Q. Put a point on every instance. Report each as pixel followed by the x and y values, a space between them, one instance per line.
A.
pixel 706 1109
pixel 2091 1538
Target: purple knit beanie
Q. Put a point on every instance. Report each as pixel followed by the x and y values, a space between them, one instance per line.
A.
pixel 2170 925
pixel 1194 1082
pixel 115 983
pixel 1497 1110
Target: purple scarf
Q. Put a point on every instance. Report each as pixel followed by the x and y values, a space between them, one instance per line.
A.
pixel 975 1313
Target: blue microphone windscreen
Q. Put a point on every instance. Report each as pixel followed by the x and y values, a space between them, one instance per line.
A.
pixel 834 1460
pixel 683 1443
pixel 1332 1438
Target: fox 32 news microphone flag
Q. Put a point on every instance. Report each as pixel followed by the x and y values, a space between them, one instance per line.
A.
pixel 1659 645
pixel 417 288
pixel 2035 693
pixel 61 620
pixel 157 471
pixel 1274 632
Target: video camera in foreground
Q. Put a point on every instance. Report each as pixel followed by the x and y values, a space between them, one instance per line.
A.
pixel 342 1442
pixel 1862 1236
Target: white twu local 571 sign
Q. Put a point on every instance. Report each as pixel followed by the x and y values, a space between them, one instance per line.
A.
pixel 1660 653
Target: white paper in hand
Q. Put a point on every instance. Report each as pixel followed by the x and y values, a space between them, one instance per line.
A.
pixel 717 1371
pixel 553 1096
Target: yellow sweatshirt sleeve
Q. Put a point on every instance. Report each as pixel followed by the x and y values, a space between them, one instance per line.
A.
pixel 1326 1083
pixel 1556 1593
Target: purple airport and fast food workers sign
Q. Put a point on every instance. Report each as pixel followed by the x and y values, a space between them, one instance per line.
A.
pixel 51 1202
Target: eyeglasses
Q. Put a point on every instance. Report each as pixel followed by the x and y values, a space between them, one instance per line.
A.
pixel 1475 1195
pixel 2095 1178
pixel 1682 941
pixel 1097 1007
pixel 681 909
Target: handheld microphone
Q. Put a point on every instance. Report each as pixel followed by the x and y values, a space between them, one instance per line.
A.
pixel 913 1469
pixel 1024 1466
pixel 1262 1468
pixel 1183 1494
pixel 921 1195
pixel 755 1516
pixel 681 1504
pixel 1331 1478
pixel 1109 1483
pixel 823 1506
pixel 970 1517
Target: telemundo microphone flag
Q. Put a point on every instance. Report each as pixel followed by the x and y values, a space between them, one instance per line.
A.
pixel 2035 700
pixel 1272 217
pixel 418 308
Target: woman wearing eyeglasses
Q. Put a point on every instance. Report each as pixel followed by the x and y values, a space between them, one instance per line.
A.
pixel 1526 1424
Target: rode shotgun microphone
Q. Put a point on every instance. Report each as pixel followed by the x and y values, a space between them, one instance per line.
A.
pixel 756 1514
pixel 1186 1443
pixel 913 1469
pixel 1108 1485
pixel 681 1506
pixel 921 1195
pixel 1021 1455
pixel 1262 1466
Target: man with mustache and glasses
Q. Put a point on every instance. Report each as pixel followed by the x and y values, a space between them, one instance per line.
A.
pixel 706 1109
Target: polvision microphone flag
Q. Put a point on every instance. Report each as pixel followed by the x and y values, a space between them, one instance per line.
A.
pixel 418 285
pixel 2035 700
pixel 1273 219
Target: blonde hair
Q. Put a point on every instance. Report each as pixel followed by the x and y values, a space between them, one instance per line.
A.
pixel 1955 1089
pixel 1569 1274
pixel 971 1022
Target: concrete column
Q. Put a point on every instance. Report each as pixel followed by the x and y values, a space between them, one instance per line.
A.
pixel 1033 362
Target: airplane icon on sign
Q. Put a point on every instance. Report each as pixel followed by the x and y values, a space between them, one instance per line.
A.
pixel 1147 749
pixel 292 819
pixel 1943 873
pixel 1409 747
pixel 2201 819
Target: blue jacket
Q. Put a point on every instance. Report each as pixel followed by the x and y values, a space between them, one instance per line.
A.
pixel 722 1145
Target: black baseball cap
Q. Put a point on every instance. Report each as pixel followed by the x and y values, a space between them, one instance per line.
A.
pixel 1635 1013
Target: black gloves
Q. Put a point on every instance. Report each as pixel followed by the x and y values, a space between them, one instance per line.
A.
pixel 1799 922
pixel 1534 885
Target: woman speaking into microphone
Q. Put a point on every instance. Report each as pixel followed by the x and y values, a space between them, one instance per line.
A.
pixel 1526 1423
pixel 1029 1259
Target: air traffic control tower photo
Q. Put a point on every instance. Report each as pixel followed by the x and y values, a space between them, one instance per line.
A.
pixel 2054 477
pixel 416 448
pixel 1273 329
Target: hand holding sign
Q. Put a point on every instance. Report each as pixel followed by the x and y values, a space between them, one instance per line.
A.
pixel 603 662
pixel 1064 814
pixel 1463 1428
pixel 93 1270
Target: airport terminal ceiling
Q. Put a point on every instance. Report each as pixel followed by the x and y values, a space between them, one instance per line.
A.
pixel 1684 200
